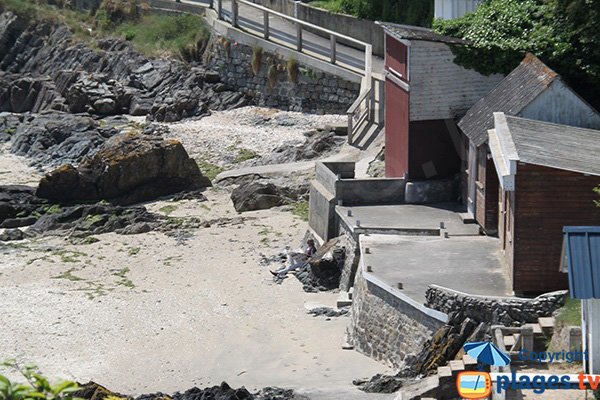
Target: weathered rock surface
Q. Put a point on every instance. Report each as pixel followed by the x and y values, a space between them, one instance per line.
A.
pixel 93 391
pixel 318 143
pixel 46 69
pixel 258 196
pixel 324 271
pixel 128 169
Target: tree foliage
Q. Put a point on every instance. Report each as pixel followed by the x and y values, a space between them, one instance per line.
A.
pixel 408 12
pixel 562 33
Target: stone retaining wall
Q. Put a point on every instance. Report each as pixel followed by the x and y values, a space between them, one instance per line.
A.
pixel 386 328
pixel 508 311
pixel 312 91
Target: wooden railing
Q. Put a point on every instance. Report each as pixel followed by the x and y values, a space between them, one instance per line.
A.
pixel 298 44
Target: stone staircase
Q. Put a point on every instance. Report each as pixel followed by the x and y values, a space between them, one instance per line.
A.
pixel 542 330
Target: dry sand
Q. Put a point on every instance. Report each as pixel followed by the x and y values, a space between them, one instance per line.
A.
pixel 146 313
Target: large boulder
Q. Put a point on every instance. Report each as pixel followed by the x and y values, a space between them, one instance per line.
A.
pixel 129 168
pixel 258 196
pixel 324 270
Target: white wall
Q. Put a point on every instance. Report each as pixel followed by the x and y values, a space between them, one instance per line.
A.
pixel 450 9
pixel 559 104
pixel 439 88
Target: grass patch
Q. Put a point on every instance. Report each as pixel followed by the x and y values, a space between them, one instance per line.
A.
pixel 53 209
pixel 124 281
pixel 570 314
pixel 245 155
pixel 67 256
pixel 335 6
pixel 68 275
pixel 157 34
pixel 300 210
pixel 209 169
pixel 168 209
pixel 132 251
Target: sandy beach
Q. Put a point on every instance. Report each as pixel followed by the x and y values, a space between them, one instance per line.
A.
pixel 156 312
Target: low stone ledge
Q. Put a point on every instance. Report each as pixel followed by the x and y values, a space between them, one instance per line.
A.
pixel 508 311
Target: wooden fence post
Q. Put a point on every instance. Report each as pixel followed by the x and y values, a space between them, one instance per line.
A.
pixel 266 24
pixel 298 37
pixel 332 54
pixel 234 13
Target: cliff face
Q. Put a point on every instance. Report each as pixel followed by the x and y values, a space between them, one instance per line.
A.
pixel 44 67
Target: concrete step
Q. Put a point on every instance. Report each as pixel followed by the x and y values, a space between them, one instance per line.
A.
pixel 509 341
pixel 444 372
pixel 456 366
pixel 537 329
pixel 547 325
pixel 467 218
pixel 469 362
pixel 344 299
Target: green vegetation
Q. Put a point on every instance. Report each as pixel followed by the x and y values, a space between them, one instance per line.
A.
pixel 292 70
pixel 570 314
pixel 301 210
pixel 53 209
pixel 256 59
pixel 209 169
pixel 400 11
pixel 124 281
pixel 68 256
pixel 562 33
pixel 157 34
pixel 245 154
pixel 132 251
pixel 37 386
pixel 68 275
pixel 168 209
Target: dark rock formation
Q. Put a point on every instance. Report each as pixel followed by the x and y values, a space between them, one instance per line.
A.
pixel 329 312
pixel 319 143
pixel 20 207
pixel 381 384
pixel 258 196
pixel 128 169
pixel 324 270
pixel 93 391
pixel 46 69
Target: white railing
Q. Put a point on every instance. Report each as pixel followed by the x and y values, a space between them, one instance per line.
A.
pixel 333 55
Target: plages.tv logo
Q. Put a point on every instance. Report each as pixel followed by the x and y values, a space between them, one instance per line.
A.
pixel 478 384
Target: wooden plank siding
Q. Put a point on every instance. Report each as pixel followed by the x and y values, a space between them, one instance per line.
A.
pixel 487 186
pixel 546 199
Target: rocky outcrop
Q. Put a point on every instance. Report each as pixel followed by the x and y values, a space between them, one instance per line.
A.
pixel 93 391
pixel 128 169
pixel 46 69
pixel 323 272
pixel 258 196
pixel 318 144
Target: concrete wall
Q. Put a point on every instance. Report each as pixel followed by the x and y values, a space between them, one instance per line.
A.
pixel 386 327
pixel 360 29
pixel 327 191
pixel 314 91
pixel 508 311
pixel 451 9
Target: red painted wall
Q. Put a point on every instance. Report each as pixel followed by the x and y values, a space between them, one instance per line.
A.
pixel 396 130
pixel 546 200
pixel 396 111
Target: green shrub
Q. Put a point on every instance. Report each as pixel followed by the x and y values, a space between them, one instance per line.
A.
pixel 37 386
pixel 256 59
pixel 301 210
pixel 292 70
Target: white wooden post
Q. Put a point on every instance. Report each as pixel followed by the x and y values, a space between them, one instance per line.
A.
pixel 266 25
pixel 350 128
pixel 234 13
pixel 298 37
pixel 591 321
pixel 332 54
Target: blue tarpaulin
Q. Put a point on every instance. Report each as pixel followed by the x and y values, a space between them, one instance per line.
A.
pixel 581 257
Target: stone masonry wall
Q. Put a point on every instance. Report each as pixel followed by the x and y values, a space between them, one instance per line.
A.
pixel 385 328
pixel 506 311
pixel 350 263
pixel 272 86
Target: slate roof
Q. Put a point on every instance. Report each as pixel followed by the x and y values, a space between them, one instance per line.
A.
pixel 553 145
pixel 510 96
pixel 410 32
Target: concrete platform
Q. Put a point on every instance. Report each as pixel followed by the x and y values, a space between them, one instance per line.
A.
pixel 408 219
pixel 470 264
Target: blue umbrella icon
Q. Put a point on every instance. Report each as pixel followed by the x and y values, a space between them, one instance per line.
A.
pixel 487 353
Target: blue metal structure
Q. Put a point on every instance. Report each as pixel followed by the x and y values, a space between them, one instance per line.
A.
pixel 581 256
